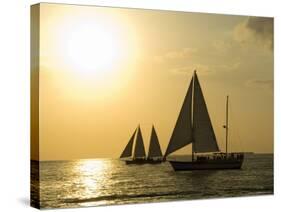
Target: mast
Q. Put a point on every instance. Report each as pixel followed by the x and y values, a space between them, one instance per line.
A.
pixel 192 151
pixel 226 125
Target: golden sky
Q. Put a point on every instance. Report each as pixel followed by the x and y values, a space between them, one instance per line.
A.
pixel 103 71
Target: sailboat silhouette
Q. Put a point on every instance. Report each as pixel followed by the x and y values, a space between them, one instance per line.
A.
pixel 139 157
pixel 194 127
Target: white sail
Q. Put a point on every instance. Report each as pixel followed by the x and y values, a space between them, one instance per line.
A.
pixel 182 134
pixel 203 132
pixel 154 146
pixel 139 147
pixel 127 152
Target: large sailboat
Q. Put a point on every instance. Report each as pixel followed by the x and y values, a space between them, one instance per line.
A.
pixel 194 127
pixel 139 157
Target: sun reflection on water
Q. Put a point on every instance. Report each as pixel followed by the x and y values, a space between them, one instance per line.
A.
pixel 91 166
pixel 90 176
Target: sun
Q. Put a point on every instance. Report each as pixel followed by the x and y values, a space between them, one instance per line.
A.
pixel 92 49
pixel 89 55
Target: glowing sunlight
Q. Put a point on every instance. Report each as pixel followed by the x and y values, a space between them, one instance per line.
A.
pixel 91 49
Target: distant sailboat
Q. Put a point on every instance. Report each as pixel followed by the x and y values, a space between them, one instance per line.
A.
pixel 194 127
pixel 139 151
pixel 139 156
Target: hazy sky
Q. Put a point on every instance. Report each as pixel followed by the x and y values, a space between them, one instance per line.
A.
pixel 103 71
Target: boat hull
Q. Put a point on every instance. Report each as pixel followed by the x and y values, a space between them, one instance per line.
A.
pixel 141 162
pixel 154 161
pixel 206 165
pixel 129 162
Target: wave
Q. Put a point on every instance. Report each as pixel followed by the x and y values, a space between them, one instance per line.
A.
pixel 126 196
pixel 192 194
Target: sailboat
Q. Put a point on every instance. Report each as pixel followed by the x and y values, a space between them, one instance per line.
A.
pixel 139 157
pixel 154 151
pixel 194 127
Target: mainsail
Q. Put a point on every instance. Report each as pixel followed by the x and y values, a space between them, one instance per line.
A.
pixel 127 152
pixel 203 132
pixel 200 132
pixel 154 146
pixel 139 147
pixel 182 134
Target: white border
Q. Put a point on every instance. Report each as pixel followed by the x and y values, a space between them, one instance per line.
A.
pixel 14 105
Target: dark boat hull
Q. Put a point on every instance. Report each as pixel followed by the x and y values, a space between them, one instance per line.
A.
pixel 154 161
pixel 137 162
pixel 141 162
pixel 206 165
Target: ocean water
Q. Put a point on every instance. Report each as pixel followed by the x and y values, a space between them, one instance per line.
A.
pixel 95 182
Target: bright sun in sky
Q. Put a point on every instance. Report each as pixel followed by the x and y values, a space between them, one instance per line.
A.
pixel 94 48
pixel 92 52
pixel 91 49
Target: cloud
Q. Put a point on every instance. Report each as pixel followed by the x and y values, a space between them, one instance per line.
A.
pixel 260 83
pixel 255 30
pixel 230 67
pixel 189 69
pixel 206 69
pixel 177 54
pixel 222 46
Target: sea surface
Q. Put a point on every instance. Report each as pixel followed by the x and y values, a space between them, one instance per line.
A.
pixel 97 182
